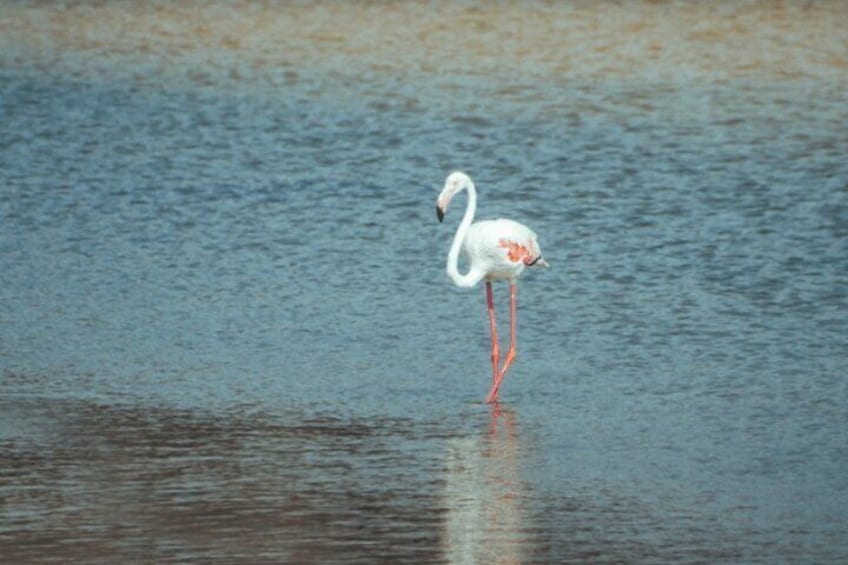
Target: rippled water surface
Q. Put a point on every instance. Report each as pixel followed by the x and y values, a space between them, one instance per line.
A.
pixel 226 333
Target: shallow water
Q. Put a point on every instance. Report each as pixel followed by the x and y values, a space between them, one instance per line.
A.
pixel 227 334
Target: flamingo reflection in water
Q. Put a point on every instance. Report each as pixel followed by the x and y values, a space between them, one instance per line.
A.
pixel 485 496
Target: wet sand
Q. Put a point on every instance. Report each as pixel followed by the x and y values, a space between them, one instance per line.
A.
pixel 641 41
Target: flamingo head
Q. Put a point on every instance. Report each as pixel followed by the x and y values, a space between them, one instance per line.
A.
pixel 455 183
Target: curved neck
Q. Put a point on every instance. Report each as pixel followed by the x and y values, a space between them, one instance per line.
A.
pixel 472 277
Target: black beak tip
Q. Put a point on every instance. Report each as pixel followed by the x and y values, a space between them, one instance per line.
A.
pixel 440 214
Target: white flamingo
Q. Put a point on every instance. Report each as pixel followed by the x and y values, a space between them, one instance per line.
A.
pixel 497 250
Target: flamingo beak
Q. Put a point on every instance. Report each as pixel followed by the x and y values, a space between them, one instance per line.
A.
pixel 440 213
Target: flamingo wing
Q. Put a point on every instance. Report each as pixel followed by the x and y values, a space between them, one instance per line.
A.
pixel 504 246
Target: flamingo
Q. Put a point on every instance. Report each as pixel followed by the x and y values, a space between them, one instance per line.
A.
pixel 497 250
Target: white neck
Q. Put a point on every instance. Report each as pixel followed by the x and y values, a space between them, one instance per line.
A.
pixel 472 277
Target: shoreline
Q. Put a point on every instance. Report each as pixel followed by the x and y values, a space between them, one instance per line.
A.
pixel 648 41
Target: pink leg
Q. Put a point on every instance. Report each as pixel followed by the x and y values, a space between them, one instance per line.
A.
pixel 490 304
pixel 510 355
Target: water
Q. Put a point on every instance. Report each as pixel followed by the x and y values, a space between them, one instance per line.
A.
pixel 227 334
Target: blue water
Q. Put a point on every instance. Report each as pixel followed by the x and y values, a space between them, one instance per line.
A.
pixel 226 333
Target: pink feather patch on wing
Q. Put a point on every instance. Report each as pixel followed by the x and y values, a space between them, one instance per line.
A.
pixel 517 252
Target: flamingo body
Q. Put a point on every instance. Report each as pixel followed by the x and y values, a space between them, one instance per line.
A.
pixel 496 250
pixel 501 248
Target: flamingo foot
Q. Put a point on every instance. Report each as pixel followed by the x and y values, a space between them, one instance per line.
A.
pixel 492 397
